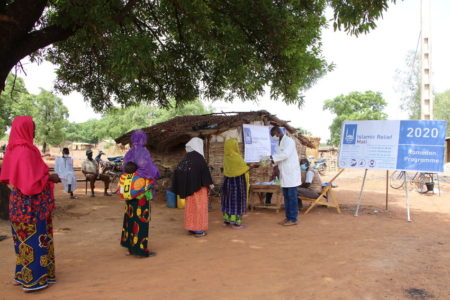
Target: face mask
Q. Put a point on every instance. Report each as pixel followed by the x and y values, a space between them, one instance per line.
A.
pixel 65 155
pixel 303 167
pixel 275 138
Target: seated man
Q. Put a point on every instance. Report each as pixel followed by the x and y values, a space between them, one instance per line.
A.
pixel 311 184
pixel 91 171
pixel 64 169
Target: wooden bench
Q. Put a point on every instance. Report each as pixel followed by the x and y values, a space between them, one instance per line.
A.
pixel 325 198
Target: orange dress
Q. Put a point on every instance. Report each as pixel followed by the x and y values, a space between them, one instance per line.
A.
pixel 196 211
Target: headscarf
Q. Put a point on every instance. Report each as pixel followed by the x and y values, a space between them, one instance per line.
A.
pixel 192 173
pixel 23 166
pixel 233 163
pixel 195 144
pixel 140 155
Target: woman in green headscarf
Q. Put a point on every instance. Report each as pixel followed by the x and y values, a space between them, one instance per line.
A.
pixel 235 185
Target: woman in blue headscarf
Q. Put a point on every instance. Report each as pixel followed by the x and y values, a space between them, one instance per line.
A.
pixel 137 211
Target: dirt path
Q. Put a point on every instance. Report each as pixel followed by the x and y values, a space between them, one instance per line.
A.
pixel 377 255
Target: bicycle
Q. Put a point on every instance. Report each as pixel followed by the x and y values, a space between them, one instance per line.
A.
pixel 420 181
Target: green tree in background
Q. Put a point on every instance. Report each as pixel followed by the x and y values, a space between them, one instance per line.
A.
pixel 442 108
pixel 118 121
pixel 14 101
pixel 128 51
pixel 303 131
pixel 354 106
pixel 50 119
pixel 408 85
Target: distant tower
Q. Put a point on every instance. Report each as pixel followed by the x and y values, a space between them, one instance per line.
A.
pixel 426 95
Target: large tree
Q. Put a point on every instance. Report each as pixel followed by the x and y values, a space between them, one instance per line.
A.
pixel 118 121
pixel 50 118
pixel 155 50
pixel 11 102
pixel 408 85
pixel 354 106
pixel 442 108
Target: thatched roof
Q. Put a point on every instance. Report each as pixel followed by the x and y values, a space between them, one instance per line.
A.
pixel 176 132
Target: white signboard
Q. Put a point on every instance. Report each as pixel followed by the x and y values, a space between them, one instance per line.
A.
pixel 257 142
pixel 393 145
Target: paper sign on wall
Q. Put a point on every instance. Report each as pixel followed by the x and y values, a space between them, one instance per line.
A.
pixel 257 142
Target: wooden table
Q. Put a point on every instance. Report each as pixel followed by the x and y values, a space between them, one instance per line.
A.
pixel 258 193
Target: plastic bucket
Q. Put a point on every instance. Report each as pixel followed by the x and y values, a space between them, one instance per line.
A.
pixel 171 199
pixel 430 186
pixel 181 202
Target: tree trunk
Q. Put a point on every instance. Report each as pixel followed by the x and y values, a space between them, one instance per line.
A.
pixel 44 147
pixel 4 201
pixel 18 39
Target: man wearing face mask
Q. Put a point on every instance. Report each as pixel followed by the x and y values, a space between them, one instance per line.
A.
pixel 286 158
pixel 64 169
pixel 311 183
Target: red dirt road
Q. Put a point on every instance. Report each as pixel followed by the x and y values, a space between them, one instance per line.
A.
pixel 378 255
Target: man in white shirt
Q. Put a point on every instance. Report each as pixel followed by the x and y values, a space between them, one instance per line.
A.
pixel 64 169
pixel 286 158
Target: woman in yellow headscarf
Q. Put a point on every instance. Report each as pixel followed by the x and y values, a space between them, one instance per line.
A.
pixel 235 185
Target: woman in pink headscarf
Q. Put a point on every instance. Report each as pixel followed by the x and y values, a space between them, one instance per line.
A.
pixel 30 207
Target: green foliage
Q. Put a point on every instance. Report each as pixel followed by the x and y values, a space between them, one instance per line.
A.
pixel 354 106
pixel 118 121
pixel 14 101
pixel 128 52
pixel 408 81
pixel 304 131
pixel 47 110
pixel 50 119
pixel 442 108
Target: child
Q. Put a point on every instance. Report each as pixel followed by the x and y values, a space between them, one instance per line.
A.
pixel 133 186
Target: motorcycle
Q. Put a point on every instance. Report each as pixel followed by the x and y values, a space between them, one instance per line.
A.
pixel 112 168
pixel 320 166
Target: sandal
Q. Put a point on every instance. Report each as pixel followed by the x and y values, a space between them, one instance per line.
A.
pixel 290 223
pixel 283 222
pixel 200 234
pixel 15 283
pixel 239 226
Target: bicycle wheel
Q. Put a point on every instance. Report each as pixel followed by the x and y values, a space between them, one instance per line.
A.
pixel 114 183
pixel 322 169
pixel 419 183
pixel 397 179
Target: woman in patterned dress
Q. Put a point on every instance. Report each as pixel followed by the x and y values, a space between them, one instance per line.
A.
pixel 235 185
pixel 30 207
pixel 137 211
pixel 191 181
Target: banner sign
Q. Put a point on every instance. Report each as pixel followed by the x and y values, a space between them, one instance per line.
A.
pixel 393 145
pixel 257 142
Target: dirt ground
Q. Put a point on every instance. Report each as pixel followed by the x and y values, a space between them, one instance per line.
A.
pixel 378 255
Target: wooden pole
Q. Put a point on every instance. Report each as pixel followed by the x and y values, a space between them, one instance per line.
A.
pixel 387 188
pixel 360 194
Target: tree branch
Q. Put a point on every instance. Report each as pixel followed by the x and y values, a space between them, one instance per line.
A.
pixel 125 10
pixel 26 13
